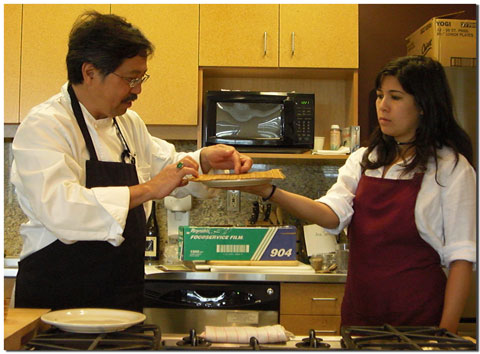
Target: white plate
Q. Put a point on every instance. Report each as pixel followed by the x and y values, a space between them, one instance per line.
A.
pixel 93 320
pixel 230 183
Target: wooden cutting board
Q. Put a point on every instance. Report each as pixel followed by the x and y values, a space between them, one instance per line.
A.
pixel 20 325
pixel 300 268
pixel 292 263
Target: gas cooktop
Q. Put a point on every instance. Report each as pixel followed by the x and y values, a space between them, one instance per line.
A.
pixel 195 342
pixel 149 337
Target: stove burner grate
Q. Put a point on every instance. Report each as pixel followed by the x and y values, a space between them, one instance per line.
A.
pixel 402 337
pixel 139 337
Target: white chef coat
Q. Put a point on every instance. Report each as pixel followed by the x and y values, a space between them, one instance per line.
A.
pixel 48 173
pixel 445 214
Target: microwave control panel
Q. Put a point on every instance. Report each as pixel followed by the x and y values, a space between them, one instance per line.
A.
pixel 304 122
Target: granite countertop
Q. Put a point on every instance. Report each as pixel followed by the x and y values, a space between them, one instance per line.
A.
pixel 188 272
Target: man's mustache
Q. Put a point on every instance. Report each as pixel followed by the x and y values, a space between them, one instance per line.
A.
pixel 129 98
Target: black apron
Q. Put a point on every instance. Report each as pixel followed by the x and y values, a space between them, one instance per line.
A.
pixel 89 273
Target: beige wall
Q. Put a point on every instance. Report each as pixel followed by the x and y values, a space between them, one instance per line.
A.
pixel 382 33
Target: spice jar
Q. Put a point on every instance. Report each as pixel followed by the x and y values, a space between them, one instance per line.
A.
pixel 335 137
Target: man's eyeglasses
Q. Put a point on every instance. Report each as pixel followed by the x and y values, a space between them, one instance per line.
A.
pixel 134 82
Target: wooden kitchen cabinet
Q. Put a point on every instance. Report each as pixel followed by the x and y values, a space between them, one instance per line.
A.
pixel 45 31
pixel 305 36
pixel 8 285
pixel 238 35
pixel 305 306
pixel 170 96
pixel 319 36
pixel 12 16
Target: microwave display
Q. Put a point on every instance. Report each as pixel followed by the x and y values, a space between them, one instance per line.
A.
pixel 259 121
pixel 249 120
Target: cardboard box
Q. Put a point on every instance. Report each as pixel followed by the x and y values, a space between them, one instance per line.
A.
pixel 452 42
pixel 238 243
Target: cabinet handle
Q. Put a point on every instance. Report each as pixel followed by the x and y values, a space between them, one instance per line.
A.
pixel 264 43
pixel 293 43
pixel 325 331
pixel 324 298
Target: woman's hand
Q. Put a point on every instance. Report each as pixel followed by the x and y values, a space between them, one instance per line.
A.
pixel 224 157
pixel 160 186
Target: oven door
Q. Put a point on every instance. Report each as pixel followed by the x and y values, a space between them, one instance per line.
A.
pixel 178 306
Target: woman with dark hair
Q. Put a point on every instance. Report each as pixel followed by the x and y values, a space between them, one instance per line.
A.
pixel 425 79
pixel 409 202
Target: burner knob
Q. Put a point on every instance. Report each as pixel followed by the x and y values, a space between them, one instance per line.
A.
pixel 254 343
pixel 270 291
pixel 193 337
pixel 312 341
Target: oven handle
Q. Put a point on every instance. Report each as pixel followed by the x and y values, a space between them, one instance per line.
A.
pixel 324 298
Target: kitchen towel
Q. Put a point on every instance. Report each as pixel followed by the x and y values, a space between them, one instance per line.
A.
pixel 265 334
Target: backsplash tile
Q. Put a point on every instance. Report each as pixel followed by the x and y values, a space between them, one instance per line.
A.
pixel 13 215
pixel 311 178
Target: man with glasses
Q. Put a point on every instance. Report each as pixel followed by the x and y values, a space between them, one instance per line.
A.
pixel 85 170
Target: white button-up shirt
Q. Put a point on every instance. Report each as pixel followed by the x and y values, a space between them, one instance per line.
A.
pixel 445 212
pixel 48 173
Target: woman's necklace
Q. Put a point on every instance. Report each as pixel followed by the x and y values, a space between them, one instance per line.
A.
pixel 405 143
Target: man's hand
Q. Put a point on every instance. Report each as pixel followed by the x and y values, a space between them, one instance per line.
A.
pixel 171 177
pixel 224 157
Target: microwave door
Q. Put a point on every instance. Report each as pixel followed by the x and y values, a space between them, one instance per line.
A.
pixel 249 123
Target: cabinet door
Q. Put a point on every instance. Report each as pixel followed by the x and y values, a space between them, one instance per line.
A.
pixel 311 298
pixel 319 36
pixel 170 96
pixel 44 48
pixel 239 35
pixel 8 284
pixel 11 75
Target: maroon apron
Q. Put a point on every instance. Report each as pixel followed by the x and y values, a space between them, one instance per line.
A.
pixel 89 273
pixel 394 276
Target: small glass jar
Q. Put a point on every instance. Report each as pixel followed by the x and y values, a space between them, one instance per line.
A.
pixel 335 137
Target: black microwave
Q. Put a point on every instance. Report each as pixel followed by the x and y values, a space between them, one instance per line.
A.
pixel 253 121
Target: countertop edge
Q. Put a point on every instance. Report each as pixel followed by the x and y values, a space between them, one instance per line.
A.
pixel 234 276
